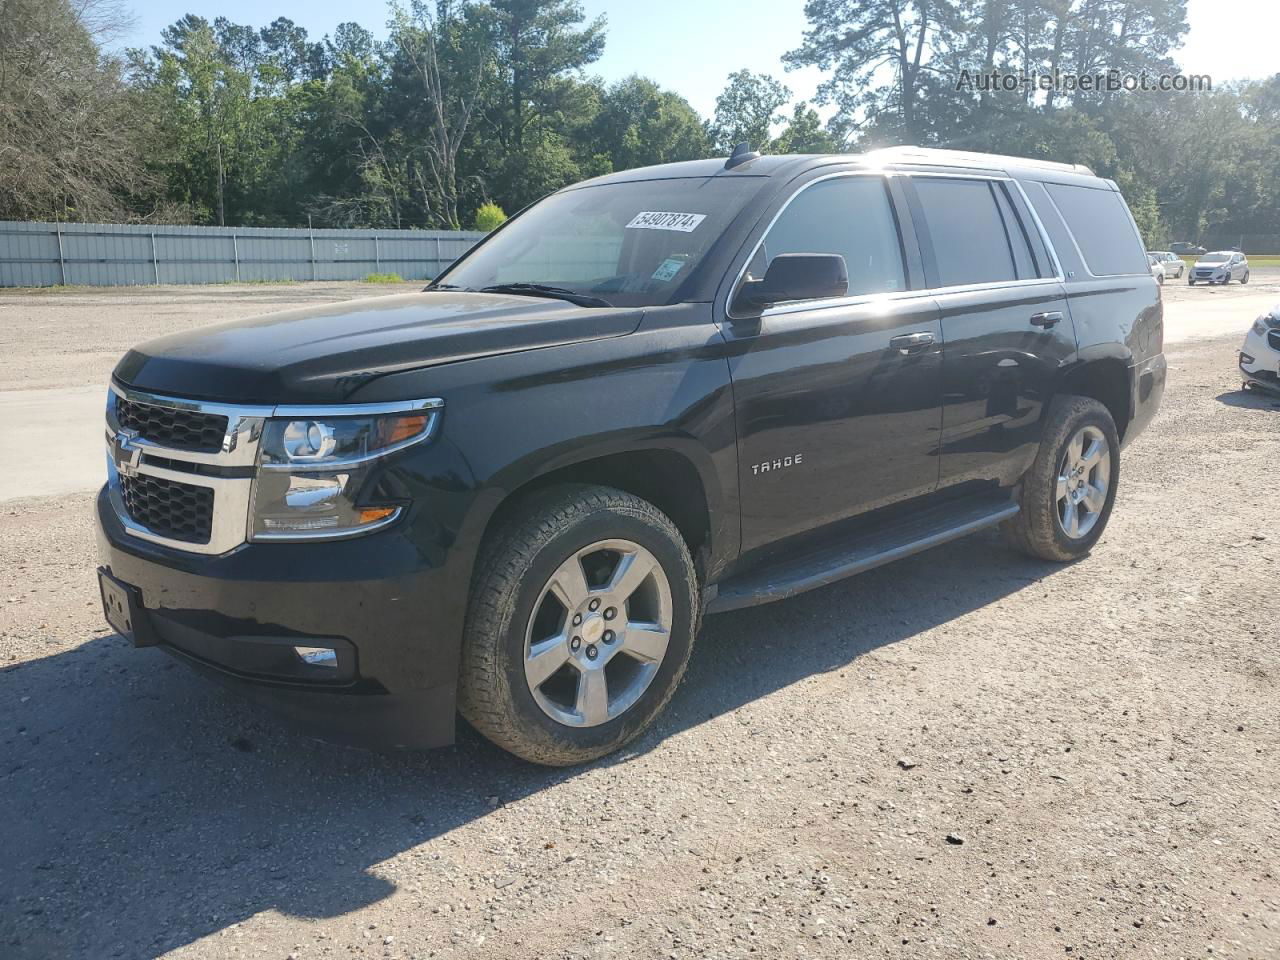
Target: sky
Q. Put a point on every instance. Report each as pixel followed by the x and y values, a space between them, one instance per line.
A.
pixel 691 46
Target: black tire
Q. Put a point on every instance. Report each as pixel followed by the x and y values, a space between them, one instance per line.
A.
pixel 1190 282
pixel 515 565
pixel 1245 278
pixel 1036 529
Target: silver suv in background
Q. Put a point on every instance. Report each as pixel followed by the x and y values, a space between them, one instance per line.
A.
pixel 1174 266
pixel 1222 266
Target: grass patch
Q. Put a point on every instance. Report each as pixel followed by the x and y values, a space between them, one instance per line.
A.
pixel 383 278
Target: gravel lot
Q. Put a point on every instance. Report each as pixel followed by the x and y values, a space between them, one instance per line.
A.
pixel 965 754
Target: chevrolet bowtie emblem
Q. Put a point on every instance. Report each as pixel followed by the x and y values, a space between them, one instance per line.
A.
pixel 124 453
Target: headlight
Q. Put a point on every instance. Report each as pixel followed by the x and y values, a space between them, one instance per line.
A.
pixel 316 467
pixel 1265 323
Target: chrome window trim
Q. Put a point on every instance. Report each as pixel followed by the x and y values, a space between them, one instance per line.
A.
pixel 742 271
pixel 1058 276
pixel 233 496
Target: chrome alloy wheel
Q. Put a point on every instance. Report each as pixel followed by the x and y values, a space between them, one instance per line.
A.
pixel 1083 478
pixel 598 633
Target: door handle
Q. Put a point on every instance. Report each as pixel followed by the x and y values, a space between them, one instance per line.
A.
pixel 1046 320
pixel 909 343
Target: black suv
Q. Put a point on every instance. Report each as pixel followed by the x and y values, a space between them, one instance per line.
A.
pixel 658 394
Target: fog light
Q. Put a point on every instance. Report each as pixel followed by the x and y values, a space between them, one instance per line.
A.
pixel 318 656
pixel 1245 358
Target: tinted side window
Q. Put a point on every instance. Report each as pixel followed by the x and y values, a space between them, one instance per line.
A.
pixel 1101 225
pixel 850 216
pixel 970 242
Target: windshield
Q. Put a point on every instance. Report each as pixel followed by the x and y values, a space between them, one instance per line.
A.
pixel 1215 258
pixel 631 244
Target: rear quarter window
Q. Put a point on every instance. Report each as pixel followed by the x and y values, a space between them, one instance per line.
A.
pixel 1102 227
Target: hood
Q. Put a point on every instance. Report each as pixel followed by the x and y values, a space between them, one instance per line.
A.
pixel 323 354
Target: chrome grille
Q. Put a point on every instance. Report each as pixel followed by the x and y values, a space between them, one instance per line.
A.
pixel 179 471
pixel 171 427
pixel 179 511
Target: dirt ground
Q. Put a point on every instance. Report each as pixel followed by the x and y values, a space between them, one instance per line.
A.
pixel 966 754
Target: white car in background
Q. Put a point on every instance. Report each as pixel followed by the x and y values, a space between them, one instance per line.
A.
pixel 1260 355
pixel 1157 267
pixel 1174 265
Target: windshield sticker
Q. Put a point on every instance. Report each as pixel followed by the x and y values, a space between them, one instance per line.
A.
pixel 660 220
pixel 668 268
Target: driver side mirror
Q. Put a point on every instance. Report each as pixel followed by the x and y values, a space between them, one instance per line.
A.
pixel 799 276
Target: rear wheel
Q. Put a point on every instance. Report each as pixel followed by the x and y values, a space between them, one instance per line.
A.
pixel 1067 495
pixel 581 624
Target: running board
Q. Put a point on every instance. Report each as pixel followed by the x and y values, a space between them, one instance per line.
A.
pixel 829 564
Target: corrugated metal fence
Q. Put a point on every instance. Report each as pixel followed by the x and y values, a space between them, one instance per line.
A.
pixel 101 254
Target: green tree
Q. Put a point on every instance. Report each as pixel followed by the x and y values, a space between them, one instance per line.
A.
pixel 640 124
pixel 489 217
pixel 747 110
pixel 855 40
pixel 805 133
pixel 535 101
pixel 442 61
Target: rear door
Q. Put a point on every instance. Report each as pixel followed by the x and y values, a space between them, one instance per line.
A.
pixel 837 401
pixel 1005 322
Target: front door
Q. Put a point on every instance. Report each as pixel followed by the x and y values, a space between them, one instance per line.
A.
pixel 838 402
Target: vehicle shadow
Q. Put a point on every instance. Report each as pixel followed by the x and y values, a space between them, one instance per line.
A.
pixel 143 808
pixel 1250 399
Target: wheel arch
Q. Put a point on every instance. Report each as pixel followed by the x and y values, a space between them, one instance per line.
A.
pixel 666 472
pixel 1106 379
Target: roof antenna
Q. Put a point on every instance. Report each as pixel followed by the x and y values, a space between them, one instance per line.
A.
pixel 742 153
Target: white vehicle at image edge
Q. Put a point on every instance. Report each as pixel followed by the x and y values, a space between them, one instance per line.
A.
pixel 1157 267
pixel 1174 265
pixel 1260 355
pixel 1221 266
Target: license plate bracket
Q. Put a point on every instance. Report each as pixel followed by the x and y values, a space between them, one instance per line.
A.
pixel 122 605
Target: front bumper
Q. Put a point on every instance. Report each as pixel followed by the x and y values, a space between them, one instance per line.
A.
pixel 1260 361
pixel 386 603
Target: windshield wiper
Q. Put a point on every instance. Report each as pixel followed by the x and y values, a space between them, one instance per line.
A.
pixel 545 290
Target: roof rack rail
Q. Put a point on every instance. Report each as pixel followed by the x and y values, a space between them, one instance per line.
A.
pixel 941 155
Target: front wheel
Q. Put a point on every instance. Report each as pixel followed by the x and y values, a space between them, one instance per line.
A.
pixel 1067 495
pixel 1245 278
pixel 581 622
pixel 1190 282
